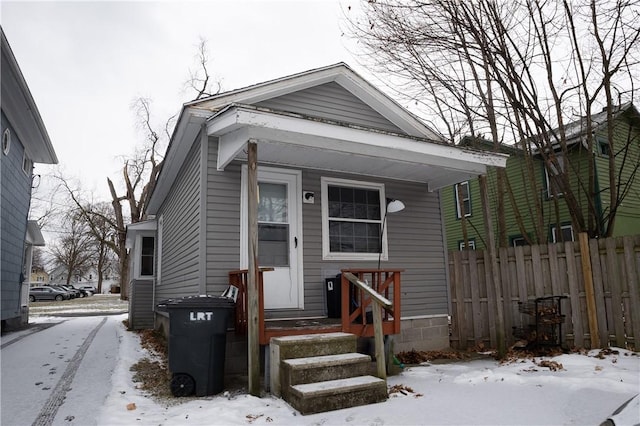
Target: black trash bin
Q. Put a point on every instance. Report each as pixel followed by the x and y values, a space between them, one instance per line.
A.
pixel 197 343
pixel 334 290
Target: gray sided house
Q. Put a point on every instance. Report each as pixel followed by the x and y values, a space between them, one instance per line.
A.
pixel 24 142
pixel 331 151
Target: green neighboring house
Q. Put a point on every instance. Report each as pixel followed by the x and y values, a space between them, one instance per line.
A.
pixel 535 194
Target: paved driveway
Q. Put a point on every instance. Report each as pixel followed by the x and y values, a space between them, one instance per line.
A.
pixel 58 372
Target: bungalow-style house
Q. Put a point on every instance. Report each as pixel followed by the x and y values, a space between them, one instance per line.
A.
pixel 463 199
pixel 332 150
pixel 24 142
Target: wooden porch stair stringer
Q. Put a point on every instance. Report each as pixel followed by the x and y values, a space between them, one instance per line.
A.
pixel 323 372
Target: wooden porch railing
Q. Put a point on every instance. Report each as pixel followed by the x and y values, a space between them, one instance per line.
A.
pixel 239 279
pixel 378 303
pixel 356 303
pixel 385 282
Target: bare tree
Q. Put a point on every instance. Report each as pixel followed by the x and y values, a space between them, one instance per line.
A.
pixel 519 72
pixel 199 79
pixel 73 250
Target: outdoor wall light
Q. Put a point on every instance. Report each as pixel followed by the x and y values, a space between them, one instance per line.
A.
pixel 393 206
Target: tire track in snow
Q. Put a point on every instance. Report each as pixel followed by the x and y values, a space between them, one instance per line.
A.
pixel 50 408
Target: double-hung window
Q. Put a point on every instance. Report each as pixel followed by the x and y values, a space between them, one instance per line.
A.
pixel 352 219
pixel 146 256
pixel 553 174
pixel 463 199
pixel 565 234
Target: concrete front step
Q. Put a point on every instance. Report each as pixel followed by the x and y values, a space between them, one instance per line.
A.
pixel 310 345
pixel 322 368
pixel 337 394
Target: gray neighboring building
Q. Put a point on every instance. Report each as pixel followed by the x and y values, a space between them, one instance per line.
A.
pixel 24 142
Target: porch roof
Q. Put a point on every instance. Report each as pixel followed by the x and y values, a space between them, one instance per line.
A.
pixel 295 140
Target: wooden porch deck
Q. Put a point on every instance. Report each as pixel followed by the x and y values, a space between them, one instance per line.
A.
pixel 354 319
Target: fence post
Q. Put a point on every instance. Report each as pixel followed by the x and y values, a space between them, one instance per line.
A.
pixel 495 270
pixel 588 289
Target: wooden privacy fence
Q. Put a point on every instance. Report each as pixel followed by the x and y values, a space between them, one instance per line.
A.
pixel 600 279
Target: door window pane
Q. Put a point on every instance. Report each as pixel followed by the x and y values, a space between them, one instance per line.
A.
pixel 272 202
pixel 273 241
pixel 273 226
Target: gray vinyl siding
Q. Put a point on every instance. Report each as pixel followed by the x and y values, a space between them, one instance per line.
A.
pixel 141 306
pixel 333 102
pixel 180 232
pixel 223 221
pixel 15 189
pixel 416 242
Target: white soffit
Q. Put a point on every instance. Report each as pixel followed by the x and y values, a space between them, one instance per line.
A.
pixel 286 139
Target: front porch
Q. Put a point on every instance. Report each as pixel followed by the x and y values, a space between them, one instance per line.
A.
pixel 356 307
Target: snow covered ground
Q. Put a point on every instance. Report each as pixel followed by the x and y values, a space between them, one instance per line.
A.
pixel 584 391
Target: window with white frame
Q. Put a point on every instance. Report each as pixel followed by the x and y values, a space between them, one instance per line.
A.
pixel 352 216
pixel 27 164
pixel 147 248
pixel 553 173
pixel 463 199
pixel 6 141
pixel 566 233
pixel 470 246
pixel 604 148
pixel 518 240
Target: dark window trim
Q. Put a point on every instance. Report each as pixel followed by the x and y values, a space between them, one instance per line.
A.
pixel 457 201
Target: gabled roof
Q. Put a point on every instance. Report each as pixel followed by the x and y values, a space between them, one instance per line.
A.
pixel 293 139
pixel 575 129
pixel 340 73
pixel 21 110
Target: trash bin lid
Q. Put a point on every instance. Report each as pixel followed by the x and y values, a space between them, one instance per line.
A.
pixel 203 301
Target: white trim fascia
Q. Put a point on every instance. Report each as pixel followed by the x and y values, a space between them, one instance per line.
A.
pixel 387 107
pixel 184 135
pixel 230 145
pixel 21 109
pixel 134 228
pixel 316 134
pixel 34 235
pixel 340 73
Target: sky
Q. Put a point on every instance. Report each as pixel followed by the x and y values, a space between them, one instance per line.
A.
pixel 584 389
pixel 86 62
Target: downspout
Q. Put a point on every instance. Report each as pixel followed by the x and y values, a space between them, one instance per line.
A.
pixel 202 252
pixel 445 247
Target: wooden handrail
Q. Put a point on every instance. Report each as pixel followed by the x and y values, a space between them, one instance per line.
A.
pixel 382 302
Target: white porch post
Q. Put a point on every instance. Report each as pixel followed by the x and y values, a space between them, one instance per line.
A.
pixel 252 278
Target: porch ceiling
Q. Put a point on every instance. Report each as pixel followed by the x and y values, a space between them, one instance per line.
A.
pixel 298 141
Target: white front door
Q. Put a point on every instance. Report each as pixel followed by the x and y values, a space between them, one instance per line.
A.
pixel 279 235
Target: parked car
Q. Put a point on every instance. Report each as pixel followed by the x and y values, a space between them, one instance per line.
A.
pixel 83 292
pixel 72 294
pixel 89 288
pixel 72 289
pixel 47 293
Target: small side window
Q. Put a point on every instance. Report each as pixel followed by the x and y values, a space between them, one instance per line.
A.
pixel 6 141
pixel 603 148
pixel 146 256
pixel 27 164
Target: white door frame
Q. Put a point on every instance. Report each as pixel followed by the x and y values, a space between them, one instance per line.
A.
pixel 295 229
